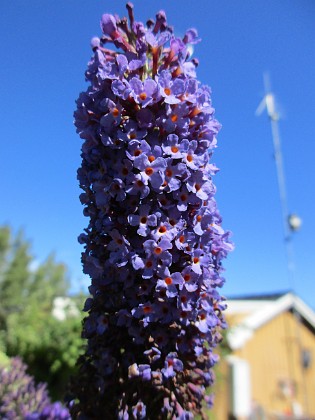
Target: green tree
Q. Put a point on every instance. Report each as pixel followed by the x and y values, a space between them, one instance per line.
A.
pixel 49 346
pixel 14 280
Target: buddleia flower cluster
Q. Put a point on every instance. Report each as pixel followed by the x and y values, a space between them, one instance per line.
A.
pixel 21 398
pixel 154 243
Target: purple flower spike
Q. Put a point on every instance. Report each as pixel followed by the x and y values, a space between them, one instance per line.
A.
pixel 154 244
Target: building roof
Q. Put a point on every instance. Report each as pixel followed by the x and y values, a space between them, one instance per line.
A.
pixel 260 296
pixel 258 310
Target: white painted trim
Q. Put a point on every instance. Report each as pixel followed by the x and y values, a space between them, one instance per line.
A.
pixel 240 386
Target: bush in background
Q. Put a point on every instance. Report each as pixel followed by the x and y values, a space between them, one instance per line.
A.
pixel 48 345
pixel 22 398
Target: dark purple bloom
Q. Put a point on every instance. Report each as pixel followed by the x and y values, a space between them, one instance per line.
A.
pixel 191 279
pixel 138 184
pixel 151 170
pixel 154 243
pixel 144 220
pixel 139 411
pixel 108 24
pixel 145 118
pixel 144 93
pixel 172 365
pixel 146 312
pixel 172 147
pixel 176 119
pixel 184 198
pixel 153 354
pixel 170 283
pixel 170 89
pixel 121 88
pixel 157 41
pixel 191 36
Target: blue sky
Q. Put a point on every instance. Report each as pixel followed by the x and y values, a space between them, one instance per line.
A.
pixel 44 50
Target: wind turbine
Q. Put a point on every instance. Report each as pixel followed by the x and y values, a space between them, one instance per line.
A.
pixel 291 222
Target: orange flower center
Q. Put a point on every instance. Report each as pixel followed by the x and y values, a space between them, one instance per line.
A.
pixel 167 91
pixel 162 229
pixel 143 220
pixel 174 149
pixel 115 112
pixel 189 158
pixel 124 171
pixel 143 96
pixel 149 171
pixel 168 281
pixel 194 112
pixel 158 250
pixel 151 158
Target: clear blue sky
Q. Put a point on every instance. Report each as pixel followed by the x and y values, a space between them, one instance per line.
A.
pixel 44 51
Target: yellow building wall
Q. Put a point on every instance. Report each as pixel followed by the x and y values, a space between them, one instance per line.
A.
pixel 274 354
pixel 221 392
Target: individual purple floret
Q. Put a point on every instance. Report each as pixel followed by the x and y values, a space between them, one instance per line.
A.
pixel 154 243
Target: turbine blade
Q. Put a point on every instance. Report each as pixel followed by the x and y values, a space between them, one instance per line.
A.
pixel 267 83
pixel 261 107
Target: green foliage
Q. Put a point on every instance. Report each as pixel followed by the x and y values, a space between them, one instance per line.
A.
pixel 49 346
pixel 4 359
